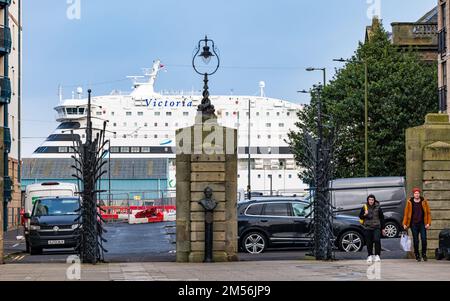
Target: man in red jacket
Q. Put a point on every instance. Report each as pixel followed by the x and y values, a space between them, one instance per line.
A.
pixel 418 218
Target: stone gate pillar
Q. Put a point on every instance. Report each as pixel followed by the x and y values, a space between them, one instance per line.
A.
pixel 206 157
pixel 428 167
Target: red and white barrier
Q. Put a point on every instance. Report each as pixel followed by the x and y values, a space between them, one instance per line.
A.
pixel 139 214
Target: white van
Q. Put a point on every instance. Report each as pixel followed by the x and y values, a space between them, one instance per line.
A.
pixel 34 192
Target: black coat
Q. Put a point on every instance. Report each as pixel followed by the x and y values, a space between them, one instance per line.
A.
pixel 380 214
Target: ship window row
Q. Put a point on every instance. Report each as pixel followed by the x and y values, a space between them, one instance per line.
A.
pixel 69 126
pixel 268 114
pixel 129 113
pixel 74 111
pixel 140 150
pixel 158 113
pixel 125 124
pixel 125 136
pixel 270 176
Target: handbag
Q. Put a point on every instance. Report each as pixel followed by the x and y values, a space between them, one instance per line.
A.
pixel 405 242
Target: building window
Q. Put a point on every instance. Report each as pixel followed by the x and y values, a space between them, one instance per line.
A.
pixel 115 149
pixel 281 125
pixel 278 113
pixel 288 114
pixel 268 113
pixel 145 149
pixel 157 113
pixel 146 124
pixel 290 176
pixel 257 113
pixel 259 136
pixel 185 113
pixel 269 136
pixel 135 149
pixel 124 136
pixel 280 176
pixel 156 136
pixel 168 113
pixel 140 113
pixel 259 176
pixel 125 149
pixel 99 113
pixel 128 113
pixel 268 125
pixel 156 124
pixel 114 124
pixel 112 113
pixel 145 136
pixel 167 124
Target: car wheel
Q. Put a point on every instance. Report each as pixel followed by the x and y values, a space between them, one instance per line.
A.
pixel 392 230
pixel 351 241
pixel 254 243
pixel 35 251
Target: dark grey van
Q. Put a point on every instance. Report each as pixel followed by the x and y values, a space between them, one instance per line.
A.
pixel 349 195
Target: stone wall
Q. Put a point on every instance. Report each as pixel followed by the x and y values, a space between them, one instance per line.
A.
pixel 428 167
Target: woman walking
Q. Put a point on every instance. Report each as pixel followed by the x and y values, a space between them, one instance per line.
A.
pixel 372 218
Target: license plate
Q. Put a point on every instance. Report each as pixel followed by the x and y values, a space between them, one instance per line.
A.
pixel 56 242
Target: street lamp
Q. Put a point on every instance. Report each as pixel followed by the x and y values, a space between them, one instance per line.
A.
pixel 366 110
pixel 324 70
pixel 203 52
pixel 319 124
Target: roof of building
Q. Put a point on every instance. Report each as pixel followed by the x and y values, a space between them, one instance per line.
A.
pixel 430 17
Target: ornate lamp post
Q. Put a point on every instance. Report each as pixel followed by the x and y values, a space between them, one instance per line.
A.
pixel 203 52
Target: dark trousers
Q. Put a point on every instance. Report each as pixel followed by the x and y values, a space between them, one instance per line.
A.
pixel 416 230
pixel 373 237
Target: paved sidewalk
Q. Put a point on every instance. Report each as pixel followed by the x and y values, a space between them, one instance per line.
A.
pixel 356 270
pixel 11 244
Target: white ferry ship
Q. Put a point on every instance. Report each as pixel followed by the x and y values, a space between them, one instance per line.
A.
pixel 142 127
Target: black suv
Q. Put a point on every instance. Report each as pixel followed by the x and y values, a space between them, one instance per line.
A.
pixel 54 224
pixel 284 222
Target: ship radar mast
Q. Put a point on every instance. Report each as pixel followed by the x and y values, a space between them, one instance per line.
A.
pixel 143 90
pixel 262 87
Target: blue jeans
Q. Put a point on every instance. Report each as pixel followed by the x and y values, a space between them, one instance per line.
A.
pixel 416 230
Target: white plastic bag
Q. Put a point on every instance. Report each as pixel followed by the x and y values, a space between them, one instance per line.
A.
pixel 405 242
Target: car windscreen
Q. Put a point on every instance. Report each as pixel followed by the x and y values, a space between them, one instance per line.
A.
pixel 56 207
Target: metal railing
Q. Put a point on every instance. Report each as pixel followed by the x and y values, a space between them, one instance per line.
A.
pixel 5 39
pixel 442 41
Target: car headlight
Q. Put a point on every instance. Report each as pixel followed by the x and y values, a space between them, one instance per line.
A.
pixel 35 228
pixel 76 226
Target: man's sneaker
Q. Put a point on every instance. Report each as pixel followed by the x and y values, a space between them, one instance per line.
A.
pixel 425 258
pixel 418 258
pixel 369 259
pixel 377 259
